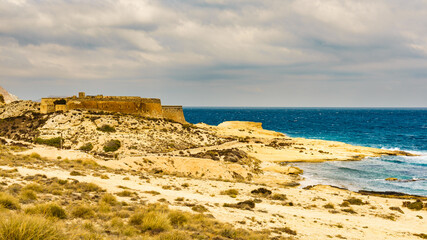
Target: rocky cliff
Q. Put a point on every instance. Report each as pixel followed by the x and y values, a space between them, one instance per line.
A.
pixel 8 98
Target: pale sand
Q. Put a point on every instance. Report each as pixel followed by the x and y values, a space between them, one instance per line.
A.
pixel 310 222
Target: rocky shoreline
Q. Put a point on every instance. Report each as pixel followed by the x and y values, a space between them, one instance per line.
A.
pixel 236 173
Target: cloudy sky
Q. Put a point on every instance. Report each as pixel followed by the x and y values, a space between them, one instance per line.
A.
pixel 283 53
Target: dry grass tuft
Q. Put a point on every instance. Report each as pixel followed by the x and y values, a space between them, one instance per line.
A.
pixel 22 227
pixel 109 199
pixel 83 211
pixel 48 210
pixel 9 202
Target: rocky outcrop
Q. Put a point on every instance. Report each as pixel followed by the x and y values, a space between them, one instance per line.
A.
pixel 137 135
pixel 18 108
pixel 24 127
pixel 8 98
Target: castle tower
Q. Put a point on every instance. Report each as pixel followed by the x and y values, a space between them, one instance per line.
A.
pixel 82 94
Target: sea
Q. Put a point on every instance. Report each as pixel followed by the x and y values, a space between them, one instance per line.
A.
pixel 398 129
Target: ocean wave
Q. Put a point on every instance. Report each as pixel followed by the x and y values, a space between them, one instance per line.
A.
pixel 349 169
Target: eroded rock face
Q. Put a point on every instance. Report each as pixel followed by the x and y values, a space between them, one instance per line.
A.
pixel 137 135
pixel 24 127
pixel 8 98
pixel 18 108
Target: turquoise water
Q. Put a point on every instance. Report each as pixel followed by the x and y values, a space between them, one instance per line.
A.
pixel 403 129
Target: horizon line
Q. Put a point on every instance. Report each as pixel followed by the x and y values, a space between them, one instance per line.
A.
pixel 331 107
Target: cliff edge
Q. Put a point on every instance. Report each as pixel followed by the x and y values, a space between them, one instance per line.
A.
pixel 8 97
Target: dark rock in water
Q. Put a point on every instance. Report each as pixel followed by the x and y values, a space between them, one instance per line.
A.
pixel 390 194
pixel 391 179
pixel 404 180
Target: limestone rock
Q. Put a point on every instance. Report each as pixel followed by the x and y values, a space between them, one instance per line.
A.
pixel 8 98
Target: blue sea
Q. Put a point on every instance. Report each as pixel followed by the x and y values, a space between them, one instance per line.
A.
pixel 399 129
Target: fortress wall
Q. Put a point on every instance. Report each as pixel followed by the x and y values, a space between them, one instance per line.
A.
pixel 47 105
pixel 174 113
pixel 62 108
pixel 131 107
pixel 147 107
pixel 152 110
pixel 120 98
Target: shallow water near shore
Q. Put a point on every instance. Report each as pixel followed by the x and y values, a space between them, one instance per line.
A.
pixel 400 129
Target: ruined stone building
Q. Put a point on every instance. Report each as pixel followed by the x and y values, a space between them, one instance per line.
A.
pixel 147 107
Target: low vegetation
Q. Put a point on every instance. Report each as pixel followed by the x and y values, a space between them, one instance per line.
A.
pixel 112 145
pixel 18 226
pixel 86 147
pixel 416 205
pixel 230 192
pixel 54 142
pixel 245 205
pixel 106 128
pixel 39 207
pixel 355 201
pixel 9 202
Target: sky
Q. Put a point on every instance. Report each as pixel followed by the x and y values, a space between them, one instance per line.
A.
pixel 277 53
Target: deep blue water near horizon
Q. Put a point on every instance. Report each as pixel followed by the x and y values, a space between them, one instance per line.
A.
pixel 404 129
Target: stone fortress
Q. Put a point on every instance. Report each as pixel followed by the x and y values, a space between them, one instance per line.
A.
pixel 146 107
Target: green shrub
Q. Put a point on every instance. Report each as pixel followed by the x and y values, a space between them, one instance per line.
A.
pixel 8 201
pixel 54 142
pixel 278 196
pixel 230 192
pixel 86 147
pixel 21 227
pixel 48 210
pixel 329 205
pixel 261 191
pixel 112 145
pixel 417 205
pixel 76 173
pixel 106 128
pixel 355 201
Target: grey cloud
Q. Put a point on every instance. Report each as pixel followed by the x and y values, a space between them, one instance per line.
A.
pixel 243 51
